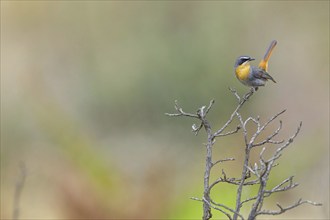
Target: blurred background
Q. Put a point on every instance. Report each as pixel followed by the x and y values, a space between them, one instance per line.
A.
pixel 85 85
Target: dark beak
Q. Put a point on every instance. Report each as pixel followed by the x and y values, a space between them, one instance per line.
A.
pixel 251 59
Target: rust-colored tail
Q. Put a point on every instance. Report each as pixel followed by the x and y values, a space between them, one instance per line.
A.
pixel 264 62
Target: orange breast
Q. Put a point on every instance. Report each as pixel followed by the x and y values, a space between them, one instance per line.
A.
pixel 242 72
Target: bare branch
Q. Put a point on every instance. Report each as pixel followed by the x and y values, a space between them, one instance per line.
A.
pixel 255 120
pixel 201 115
pixel 279 187
pixel 255 170
pixel 196 129
pixel 223 160
pixel 217 208
pixel 284 209
pixel 260 170
pixel 287 143
pixel 262 160
pixel 262 128
pixel 197 199
pixel 275 189
pixel 240 104
pixel 272 119
pixel 235 93
pixel 229 209
pixel 181 112
pixel 248 200
pixel 269 138
pixel 263 172
pixel 234 181
pixel 210 106
pixel 244 170
pixel 204 200
pixel 229 132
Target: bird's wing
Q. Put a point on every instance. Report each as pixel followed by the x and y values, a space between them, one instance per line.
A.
pixel 261 74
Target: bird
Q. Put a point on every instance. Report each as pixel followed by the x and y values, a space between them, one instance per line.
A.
pixel 254 76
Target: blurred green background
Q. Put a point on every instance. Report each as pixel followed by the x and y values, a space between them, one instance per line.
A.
pixel 85 85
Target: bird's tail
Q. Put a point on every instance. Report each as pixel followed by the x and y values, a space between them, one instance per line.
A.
pixel 264 62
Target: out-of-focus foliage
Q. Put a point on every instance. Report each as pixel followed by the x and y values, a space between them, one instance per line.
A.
pixel 85 85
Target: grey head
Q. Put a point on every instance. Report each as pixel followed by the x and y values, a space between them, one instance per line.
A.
pixel 242 59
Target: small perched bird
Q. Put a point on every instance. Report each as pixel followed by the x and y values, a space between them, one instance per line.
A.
pixel 253 76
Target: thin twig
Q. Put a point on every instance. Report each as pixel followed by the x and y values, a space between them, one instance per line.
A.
pixel 287 143
pixel 262 128
pixel 181 112
pixel 204 200
pixel 226 207
pixel 240 104
pixel 223 160
pixel 229 132
pixel 284 209
pixel 269 138
pixel 217 208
